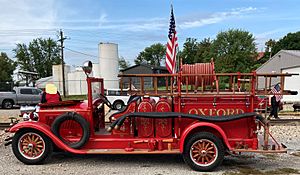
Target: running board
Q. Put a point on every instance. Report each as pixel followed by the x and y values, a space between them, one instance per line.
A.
pixel 260 151
pixel 131 151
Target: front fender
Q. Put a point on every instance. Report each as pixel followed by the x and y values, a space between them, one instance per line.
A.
pixel 45 129
pixel 202 124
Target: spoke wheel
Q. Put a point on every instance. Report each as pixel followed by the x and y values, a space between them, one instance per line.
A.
pixel 31 147
pixel 203 151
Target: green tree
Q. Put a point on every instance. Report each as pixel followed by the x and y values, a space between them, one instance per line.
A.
pixel 38 56
pixel 204 53
pixel 196 52
pixel 7 67
pixel 234 51
pixel 269 47
pixel 189 52
pixel 289 42
pixel 152 55
pixel 123 64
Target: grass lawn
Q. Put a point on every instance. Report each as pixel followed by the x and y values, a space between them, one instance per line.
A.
pixel 75 97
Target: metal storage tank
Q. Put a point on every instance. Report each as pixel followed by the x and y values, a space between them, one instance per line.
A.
pixel 108 65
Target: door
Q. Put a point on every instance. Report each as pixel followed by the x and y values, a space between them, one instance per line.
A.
pixel 25 96
pixel 36 96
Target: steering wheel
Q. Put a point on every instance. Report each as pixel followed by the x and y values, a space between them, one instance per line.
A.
pixel 105 100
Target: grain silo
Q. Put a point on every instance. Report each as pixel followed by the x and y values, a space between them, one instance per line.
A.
pixel 108 65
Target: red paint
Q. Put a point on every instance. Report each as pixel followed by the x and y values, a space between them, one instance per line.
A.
pixel 163 127
pixel 199 125
pixel 145 126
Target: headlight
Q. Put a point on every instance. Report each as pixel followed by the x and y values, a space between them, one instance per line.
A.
pixel 35 116
pixel 31 116
pixel 26 117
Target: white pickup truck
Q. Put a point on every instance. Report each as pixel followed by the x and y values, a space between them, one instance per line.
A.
pixel 20 96
pixel 117 98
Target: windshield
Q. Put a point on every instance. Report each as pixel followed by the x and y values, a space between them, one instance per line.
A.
pixel 96 90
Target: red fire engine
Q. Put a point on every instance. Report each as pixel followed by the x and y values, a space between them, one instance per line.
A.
pixel 200 114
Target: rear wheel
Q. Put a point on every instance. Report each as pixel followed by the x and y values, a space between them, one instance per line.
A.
pixel 118 105
pixel 7 104
pixel 203 151
pixel 31 147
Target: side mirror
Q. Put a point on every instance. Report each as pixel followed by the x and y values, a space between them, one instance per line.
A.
pixel 87 67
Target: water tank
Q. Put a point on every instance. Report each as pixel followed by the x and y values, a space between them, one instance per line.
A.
pixel 108 65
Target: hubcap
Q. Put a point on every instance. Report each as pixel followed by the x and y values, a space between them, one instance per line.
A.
pixel 31 145
pixel 8 105
pixel 203 152
pixel 119 106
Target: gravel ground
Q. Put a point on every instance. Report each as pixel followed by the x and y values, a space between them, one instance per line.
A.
pixel 5 114
pixel 64 163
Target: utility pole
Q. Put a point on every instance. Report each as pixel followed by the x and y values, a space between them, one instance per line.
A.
pixel 62 38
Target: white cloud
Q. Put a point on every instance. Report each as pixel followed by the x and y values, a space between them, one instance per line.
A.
pixel 199 21
pixel 102 19
pixel 23 20
pixel 157 24
pixel 261 38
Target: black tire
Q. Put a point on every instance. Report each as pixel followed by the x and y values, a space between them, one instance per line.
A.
pixel 7 104
pixel 44 147
pixel 204 154
pixel 77 118
pixel 118 105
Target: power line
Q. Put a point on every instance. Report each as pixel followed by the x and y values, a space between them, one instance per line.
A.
pixel 86 54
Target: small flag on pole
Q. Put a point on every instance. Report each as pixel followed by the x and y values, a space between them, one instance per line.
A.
pixel 171 45
pixel 276 90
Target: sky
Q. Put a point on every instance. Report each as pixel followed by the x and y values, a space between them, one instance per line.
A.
pixel 136 24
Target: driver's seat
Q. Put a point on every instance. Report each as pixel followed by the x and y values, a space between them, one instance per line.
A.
pixel 131 107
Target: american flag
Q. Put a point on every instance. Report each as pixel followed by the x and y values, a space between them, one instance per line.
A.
pixel 276 90
pixel 171 45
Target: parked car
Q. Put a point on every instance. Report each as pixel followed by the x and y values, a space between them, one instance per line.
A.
pixel 117 98
pixel 20 96
pixel 296 106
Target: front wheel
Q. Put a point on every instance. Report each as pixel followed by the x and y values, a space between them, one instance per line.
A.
pixel 203 151
pixel 7 104
pixel 31 147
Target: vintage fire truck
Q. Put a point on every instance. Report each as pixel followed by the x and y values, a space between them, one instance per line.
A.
pixel 200 114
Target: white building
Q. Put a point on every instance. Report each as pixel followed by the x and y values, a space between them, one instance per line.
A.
pixel 292 83
pixel 282 62
pixel 57 77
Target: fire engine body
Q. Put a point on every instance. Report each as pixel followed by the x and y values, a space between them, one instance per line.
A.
pixel 202 125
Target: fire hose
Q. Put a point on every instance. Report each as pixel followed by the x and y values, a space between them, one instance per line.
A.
pixel 119 122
